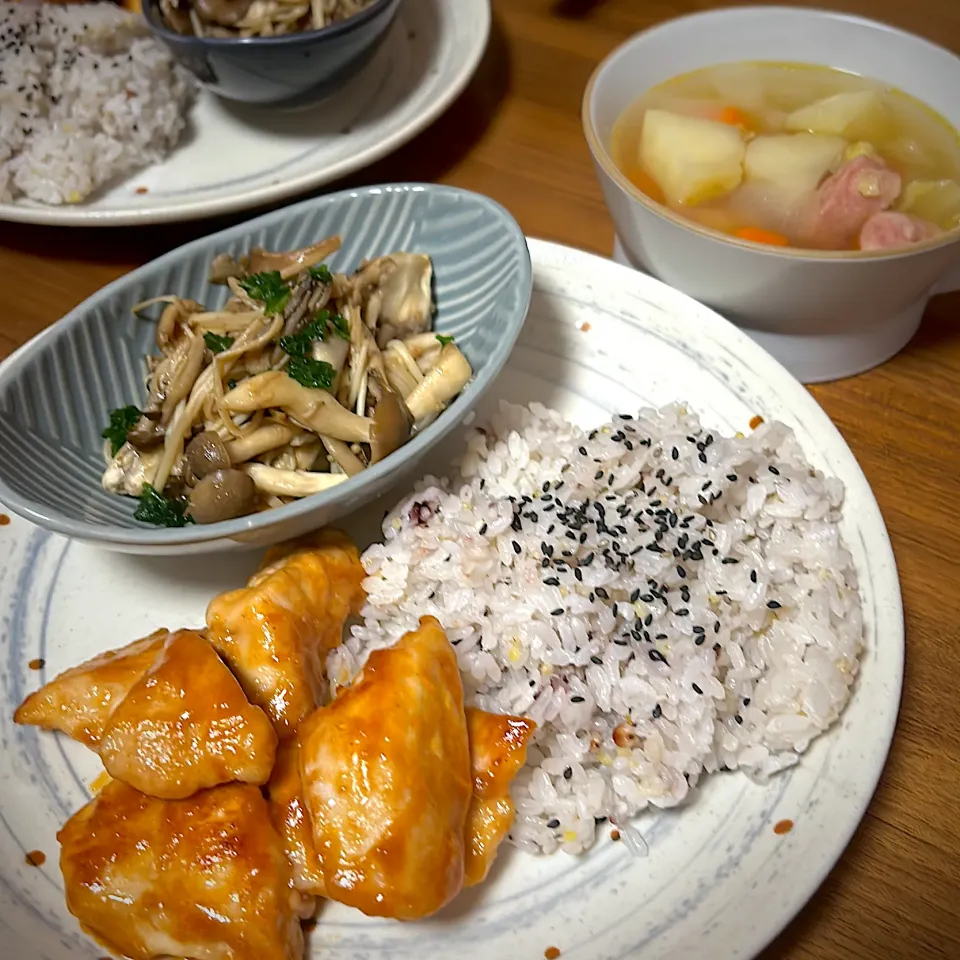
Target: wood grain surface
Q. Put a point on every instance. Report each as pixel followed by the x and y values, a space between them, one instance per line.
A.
pixel 515 135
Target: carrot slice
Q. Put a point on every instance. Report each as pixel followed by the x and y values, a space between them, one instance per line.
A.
pixel 735 117
pixel 759 235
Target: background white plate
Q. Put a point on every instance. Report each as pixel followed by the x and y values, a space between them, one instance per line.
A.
pixel 235 156
pixel 718 881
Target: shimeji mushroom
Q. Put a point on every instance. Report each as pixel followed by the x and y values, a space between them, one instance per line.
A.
pixel 292 262
pixel 341 454
pixel 291 483
pixel 222 495
pixel 317 410
pixel 440 384
pixel 270 436
pixel 392 421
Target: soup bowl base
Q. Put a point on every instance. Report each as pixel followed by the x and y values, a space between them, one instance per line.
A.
pixel 819 358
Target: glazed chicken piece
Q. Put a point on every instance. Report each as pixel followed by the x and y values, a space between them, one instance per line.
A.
pixel 285 793
pixel 386 780
pixel 498 749
pixel 203 878
pixel 80 701
pixel 186 725
pixel 275 633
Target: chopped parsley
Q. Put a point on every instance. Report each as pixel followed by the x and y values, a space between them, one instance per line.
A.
pixel 320 272
pixel 444 339
pixel 308 372
pixel 269 288
pixel 122 421
pixel 339 326
pixel 216 343
pixel 298 344
pixel 161 511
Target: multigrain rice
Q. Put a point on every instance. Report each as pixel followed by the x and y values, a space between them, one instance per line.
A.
pixel 86 97
pixel 662 600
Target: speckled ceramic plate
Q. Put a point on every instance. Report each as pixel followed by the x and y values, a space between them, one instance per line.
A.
pixel 719 881
pixel 234 156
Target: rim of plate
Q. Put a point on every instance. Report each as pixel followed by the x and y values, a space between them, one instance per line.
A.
pixel 447 91
pixel 446 422
pixel 787 390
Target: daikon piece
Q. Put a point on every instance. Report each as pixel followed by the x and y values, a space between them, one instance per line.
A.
pixel 934 200
pixel 692 159
pixel 795 161
pixel 855 114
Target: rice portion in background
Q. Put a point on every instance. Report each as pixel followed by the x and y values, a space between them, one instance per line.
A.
pixel 86 97
pixel 663 601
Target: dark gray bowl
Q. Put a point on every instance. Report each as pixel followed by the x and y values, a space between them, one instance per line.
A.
pixel 292 70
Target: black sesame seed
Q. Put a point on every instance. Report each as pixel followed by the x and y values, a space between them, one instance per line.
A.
pixel 699 639
pixel 552 582
pixel 738 718
pixel 753 576
pixel 483 530
pixel 596 659
pixel 516 524
pixel 568 773
pixel 578 573
pixel 696 689
pixel 774 470
pixel 681 571
pixel 648 619
pixel 635 596
pixel 576 699
pixel 698 629
pixel 550 530
pixel 657 712
pixel 675 453
pixel 661 636
pixel 516 546
pixel 746 701
pixel 731 477
pixel 583 451
pixel 773 605
pixel 553 824
pixel 546 486
pixel 598 475
pixel 656 656
pixel 556 613
pixel 716 626
pixel 727 560
pixel 682 612
pixel 545 562
pixel 702 457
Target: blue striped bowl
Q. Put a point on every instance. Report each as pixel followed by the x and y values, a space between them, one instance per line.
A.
pixel 56 392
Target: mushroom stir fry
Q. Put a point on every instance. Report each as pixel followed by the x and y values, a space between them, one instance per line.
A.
pixel 303 379
pixel 255 18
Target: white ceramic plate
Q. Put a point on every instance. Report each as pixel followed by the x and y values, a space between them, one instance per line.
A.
pixel 718 880
pixel 235 156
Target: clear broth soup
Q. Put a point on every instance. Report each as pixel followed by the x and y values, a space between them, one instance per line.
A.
pixel 794 155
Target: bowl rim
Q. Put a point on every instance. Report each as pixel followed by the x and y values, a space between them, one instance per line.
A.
pixel 602 157
pixel 151 13
pixel 244 529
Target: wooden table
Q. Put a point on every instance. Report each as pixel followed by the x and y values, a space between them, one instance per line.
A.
pixel 515 135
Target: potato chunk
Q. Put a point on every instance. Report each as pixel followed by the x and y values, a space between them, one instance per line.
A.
pixel 797 162
pixel 692 159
